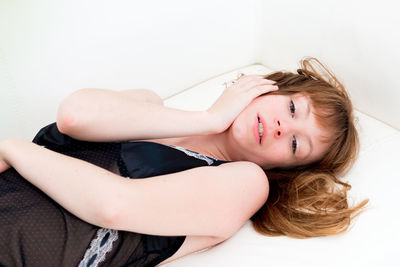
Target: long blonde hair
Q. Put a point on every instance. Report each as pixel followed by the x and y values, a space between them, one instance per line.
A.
pixel 311 201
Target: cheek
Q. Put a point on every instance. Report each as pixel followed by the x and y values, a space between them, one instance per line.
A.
pixel 237 130
pixel 239 126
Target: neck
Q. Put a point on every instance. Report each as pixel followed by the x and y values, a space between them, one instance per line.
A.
pixel 218 146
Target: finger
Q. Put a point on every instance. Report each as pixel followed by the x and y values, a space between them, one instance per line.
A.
pixel 246 78
pixel 256 83
pixel 255 76
pixel 248 82
pixel 259 78
pixel 266 81
pixel 270 81
pixel 262 77
pixel 264 89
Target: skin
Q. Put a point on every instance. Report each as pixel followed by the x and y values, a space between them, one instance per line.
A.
pixel 281 126
pixel 234 139
pixel 3 165
pixel 224 131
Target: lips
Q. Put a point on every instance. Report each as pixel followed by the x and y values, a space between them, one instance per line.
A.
pixel 264 127
pixel 256 130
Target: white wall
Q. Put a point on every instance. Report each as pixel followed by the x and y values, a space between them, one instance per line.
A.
pixel 51 48
pixel 359 40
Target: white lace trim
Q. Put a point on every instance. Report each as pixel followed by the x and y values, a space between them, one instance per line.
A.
pixel 96 250
pixel 196 155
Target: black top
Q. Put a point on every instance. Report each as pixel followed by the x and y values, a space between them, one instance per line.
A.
pixel 37 231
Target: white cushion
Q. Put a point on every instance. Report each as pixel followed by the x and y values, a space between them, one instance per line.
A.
pixel 372 239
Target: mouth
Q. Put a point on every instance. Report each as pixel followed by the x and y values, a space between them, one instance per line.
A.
pixel 259 130
pixel 262 129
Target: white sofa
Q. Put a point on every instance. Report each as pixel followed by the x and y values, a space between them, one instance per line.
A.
pixel 186 51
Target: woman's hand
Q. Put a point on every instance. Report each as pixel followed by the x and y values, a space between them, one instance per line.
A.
pixel 3 164
pixel 236 97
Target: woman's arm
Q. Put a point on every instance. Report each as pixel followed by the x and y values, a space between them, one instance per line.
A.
pixel 3 165
pixel 144 95
pixel 82 188
pixel 205 201
pixel 106 115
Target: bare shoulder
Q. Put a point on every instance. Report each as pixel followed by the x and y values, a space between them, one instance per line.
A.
pixel 204 201
pixel 243 188
pixel 244 167
pixel 247 172
pixel 251 177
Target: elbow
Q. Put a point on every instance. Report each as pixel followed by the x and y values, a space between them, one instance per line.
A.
pixel 111 217
pixel 70 112
pixel 110 220
pixel 102 218
pixel 64 119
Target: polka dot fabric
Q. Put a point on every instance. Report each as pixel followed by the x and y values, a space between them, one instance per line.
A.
pixel 37 231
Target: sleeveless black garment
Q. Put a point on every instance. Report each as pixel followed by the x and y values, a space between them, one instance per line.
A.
pixel 37 231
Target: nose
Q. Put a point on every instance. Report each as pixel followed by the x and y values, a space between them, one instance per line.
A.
pixel 280 129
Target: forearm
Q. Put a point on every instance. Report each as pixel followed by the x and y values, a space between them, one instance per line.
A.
pixel 105 115
pixel 87 191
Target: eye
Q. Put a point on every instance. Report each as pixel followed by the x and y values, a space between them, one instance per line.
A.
pixel 294 144
pixel 292 108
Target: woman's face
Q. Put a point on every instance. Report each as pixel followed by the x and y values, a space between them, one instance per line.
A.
pixel 291 135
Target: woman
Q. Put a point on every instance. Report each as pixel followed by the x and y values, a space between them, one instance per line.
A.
pixel 206 168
